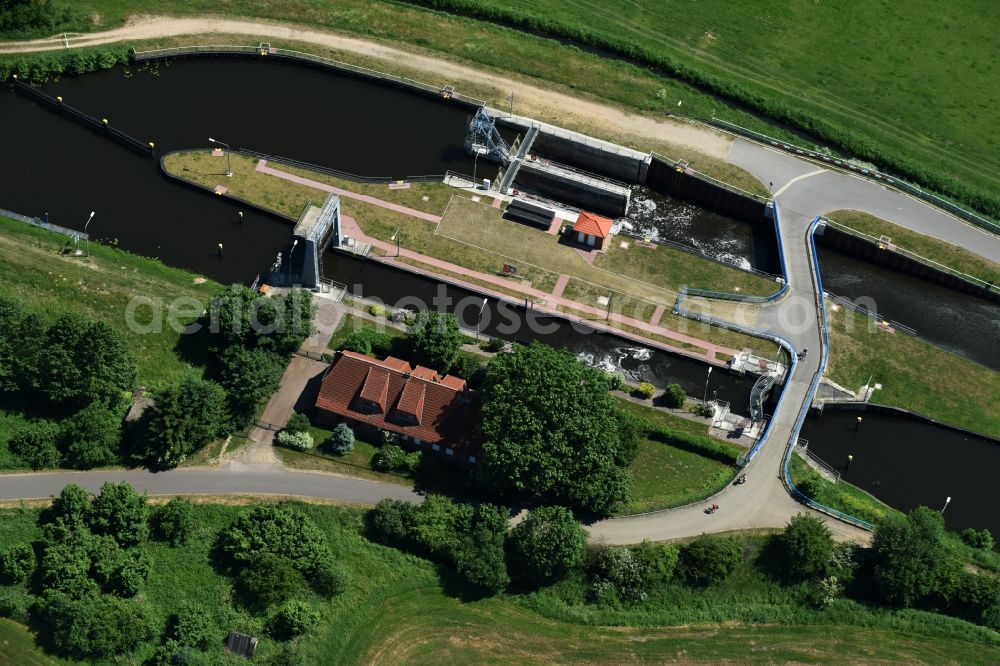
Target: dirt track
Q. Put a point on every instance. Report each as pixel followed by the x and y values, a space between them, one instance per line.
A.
pixel 438 70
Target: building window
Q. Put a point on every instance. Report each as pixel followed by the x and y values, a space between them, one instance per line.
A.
pixel 435 447
pixel 416 440
pixel 472 459
pixel 450 452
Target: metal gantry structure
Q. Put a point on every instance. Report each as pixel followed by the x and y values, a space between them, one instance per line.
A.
pixel 483 138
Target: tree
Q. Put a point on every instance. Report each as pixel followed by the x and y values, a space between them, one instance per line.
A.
pixel 674 396
pixel 110 370
pixel 71 507
pixel 392 458
pixel 369 341
pixel 293 619
pixel 184 418
pixel 708 560
pixel 391 521
pixel 242 317
pixel 300 441
pixel 909 556
pixel 550 428
pixel 546 545
pixel 66 567
pixel 249 376
pixel 437 523
pixel 269 579
pixel 191 626
pixel 35 443
pixel 121 513
pixel 91 437
pixel 175 521
pixel 436 339
pixel 341 440
pixel 98 626
pixel 17 562
pixel 807 546
pixel 11 315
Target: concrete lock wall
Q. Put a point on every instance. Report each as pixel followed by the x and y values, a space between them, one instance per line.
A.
pixel 666 179
pixel 580 151
pixel 589 196
pixel 853 246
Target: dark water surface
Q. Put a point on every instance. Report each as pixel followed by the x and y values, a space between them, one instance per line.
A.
pixel 399 289
pixel 956 321
pixel 908 463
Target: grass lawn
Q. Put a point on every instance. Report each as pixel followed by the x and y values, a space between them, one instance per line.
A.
pixel 841 496
pixel 914 374
pixel 17 646
pixel 349 323
pixel 100 287
pixel 943 252
pixel 664 476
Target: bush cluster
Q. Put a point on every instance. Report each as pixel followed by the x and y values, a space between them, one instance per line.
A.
pixel 38 68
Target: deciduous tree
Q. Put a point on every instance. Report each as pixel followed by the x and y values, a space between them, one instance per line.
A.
pixel 546 545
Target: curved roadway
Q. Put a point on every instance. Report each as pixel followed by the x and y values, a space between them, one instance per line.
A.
pixel 803 190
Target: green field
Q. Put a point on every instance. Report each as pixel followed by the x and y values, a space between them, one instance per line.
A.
pixel 914 374
pixel 396 610
pixel 907 85
pixel 37 272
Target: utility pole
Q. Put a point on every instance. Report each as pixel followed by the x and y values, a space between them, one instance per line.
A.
pixel 229 161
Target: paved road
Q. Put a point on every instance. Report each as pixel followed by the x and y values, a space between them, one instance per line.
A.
pixel 803 191
pixel 231 479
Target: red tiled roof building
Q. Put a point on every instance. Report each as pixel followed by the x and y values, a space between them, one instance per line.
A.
pixel 425 408
pixel 592 230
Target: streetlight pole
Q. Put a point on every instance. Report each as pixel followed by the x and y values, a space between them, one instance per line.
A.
pixel 475 163
pixel 947 501
pixel 704 396
pixel 85 225
pixel 607 316
pixel 395 237
pixel 229 161
pixel 294 243
pixel 510 97
pixel 479 320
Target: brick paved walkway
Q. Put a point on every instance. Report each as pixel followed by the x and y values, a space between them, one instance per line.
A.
pixel 308 182
pixel 552 301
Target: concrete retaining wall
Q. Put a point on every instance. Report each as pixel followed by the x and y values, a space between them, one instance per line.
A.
pixel 835 239
pixel 587 195
pixel 579 150
pixel 665 178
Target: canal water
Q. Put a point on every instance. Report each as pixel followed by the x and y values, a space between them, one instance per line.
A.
pixel 907 463
pixel 397 288
pixel 956 321
pixel 665 219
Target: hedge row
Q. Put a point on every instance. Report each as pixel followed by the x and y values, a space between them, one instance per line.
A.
pixel 41 67
pixel 843 139
pixel 703 445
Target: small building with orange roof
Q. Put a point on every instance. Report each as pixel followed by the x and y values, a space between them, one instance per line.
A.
pixel 592 230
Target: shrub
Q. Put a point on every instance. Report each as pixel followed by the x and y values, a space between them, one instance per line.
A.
pixel 546 545
pixel 369 341
pixel 708 560
pixel 300 441
pixel 293 619
pixel 615 381
pixel 376 310
pixel 184 418
pixel 909 556
pixel 391 520
pixel 658 562
pixel 98 626
pixel 479 553
pixel 645 391
pixel 493 345
pixel 175 521
pixel 616 572
pixel 392 458
pixel 438 521
pixel 980 539
pixel 17 562
pixel 824 590
pixel 326 577
pixel 71 507
pixel 298 423
pixel 341 441
pixel 806 545
pixel 91 437
pixel 674 396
